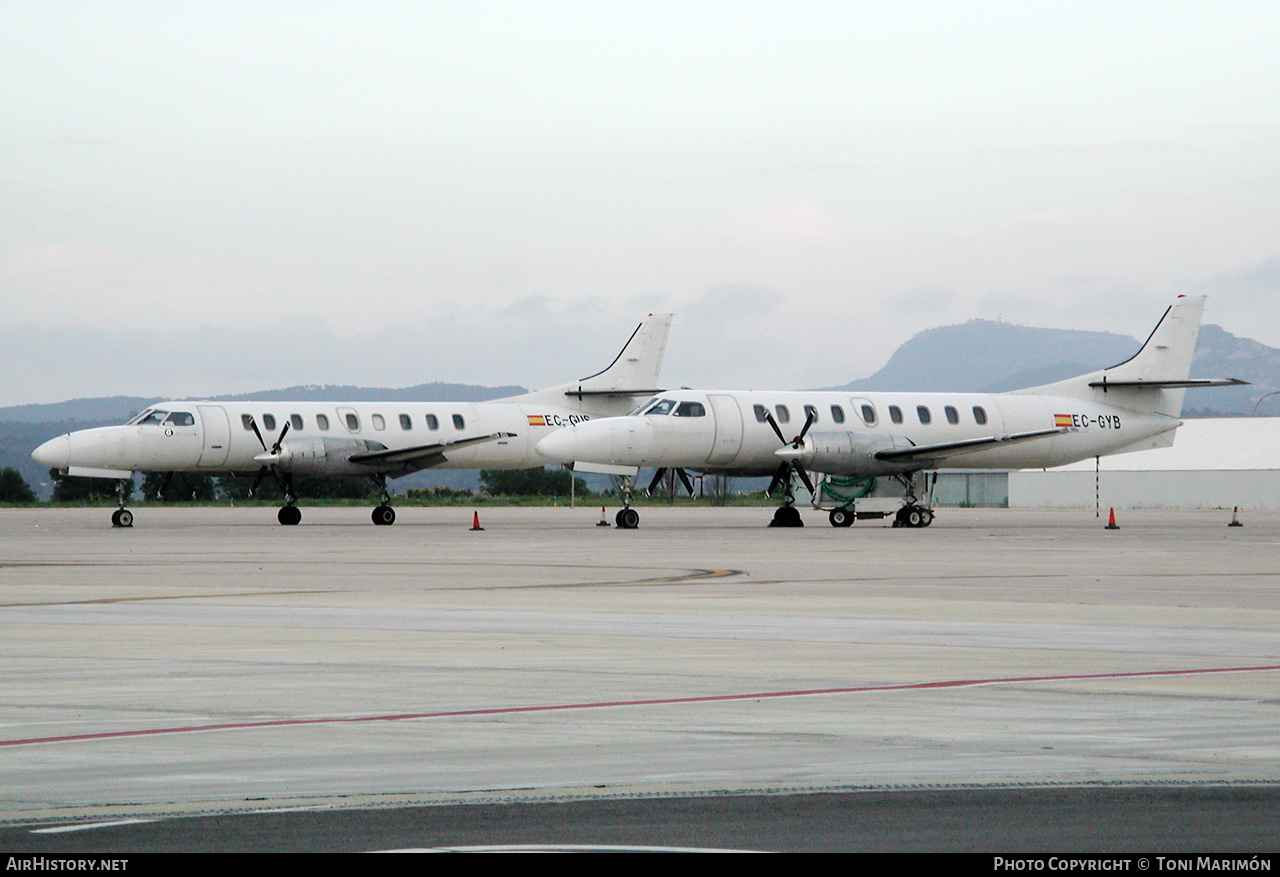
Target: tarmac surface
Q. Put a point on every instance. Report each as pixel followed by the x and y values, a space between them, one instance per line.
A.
pixel 211 661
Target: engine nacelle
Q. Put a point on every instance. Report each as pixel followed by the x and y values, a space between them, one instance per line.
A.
pixel 853 453
pixel 325 456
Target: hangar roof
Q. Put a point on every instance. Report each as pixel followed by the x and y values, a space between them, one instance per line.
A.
pixel 1210 443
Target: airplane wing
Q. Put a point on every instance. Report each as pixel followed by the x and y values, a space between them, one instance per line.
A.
pixel 418 453
pixel 968 446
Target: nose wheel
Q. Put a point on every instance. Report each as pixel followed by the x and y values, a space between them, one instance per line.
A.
pixel 384 516
pixel 122 518
pixel 290 515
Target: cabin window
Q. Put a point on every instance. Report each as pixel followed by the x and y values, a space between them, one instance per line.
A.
pixel 953 416
pixel 811 413
pixel 979 415
pixel 379 422
pixel 353 422
pixel 322 421
pixel 459 422
pixel 295 420
pixel 784 416
pixel 762 413
pixel 895 413
pixel 922 411
pixel 868 414
pixel 246 420
pixel 433 422
pixel 837 414
pixel 269 421
pixel 690 409
pixel 180 418
pixel 406 422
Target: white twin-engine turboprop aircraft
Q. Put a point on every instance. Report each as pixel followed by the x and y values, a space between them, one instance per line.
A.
pixel 377 440
pixel 1128 407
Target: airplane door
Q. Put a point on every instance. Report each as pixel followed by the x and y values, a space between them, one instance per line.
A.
pixel 728 420
pixel 217 436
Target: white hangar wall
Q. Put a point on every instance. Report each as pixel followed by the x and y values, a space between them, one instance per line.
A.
pixel 1214 463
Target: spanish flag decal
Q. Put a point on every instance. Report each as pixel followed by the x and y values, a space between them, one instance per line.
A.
pixel 539 420
pixel 1058 419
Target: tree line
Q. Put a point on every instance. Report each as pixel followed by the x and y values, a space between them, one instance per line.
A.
pixel 198 487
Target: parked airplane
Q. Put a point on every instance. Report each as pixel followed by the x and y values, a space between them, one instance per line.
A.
pixel 377 440
pixel 1128 407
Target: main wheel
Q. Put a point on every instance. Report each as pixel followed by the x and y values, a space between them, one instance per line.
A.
pixel 384 515
pixel 914 517
pixel 627 519
pixel 787 516
pixel 122 518
pixel 841 517
pixel 926 517
pixel 289 515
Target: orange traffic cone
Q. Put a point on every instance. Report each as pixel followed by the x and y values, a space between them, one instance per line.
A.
pixel 475 521
pixel 603 521
pixel 1235 517
pixel 1111 523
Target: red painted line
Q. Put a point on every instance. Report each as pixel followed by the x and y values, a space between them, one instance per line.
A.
pixel 605 704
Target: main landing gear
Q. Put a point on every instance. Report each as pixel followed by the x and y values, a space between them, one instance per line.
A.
pixel 290 515
pixel 911 514
pixel 122 517
pixel 627 518
pixel 384 515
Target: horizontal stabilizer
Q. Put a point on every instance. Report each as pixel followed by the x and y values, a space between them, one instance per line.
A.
pixel 404 456
pixel 1189 383
pixel 643 391
pixel 955 449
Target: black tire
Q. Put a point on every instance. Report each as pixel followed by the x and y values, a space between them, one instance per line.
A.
pixel 289 515
pixel 841 518
pixel 926 517
pixel 122 518
pixel 914 517
pixel 384 516
pixel 787 516
pixel 628 519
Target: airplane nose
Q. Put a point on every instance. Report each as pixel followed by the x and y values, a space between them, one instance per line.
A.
pixel 561 446
pixel 55 453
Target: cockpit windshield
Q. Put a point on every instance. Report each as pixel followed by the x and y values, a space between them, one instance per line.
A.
pixel 180 418
pixel 150 417
pixel 662 406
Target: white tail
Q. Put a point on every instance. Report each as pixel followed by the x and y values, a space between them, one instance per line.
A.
pixel 1153 380
pixel 632 374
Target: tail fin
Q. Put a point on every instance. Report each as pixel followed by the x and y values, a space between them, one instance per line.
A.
pixel 632 375
pixel 1154 379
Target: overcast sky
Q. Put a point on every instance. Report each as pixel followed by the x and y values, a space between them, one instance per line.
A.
pixel 199 198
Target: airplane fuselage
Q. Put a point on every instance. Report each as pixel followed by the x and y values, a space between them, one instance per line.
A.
pixel 728 431
pixel 214 437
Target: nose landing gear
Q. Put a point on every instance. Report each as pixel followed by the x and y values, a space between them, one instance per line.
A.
pixel 122 517
pixel 627 517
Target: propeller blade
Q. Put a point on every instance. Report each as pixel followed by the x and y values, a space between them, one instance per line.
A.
pixel 780 478
pixel 684 479
pixel 804 476
pixel 809 421
pixel 768 418
pixel 275 449
pixel 257 481
pixel 253 425
pixel 657 478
